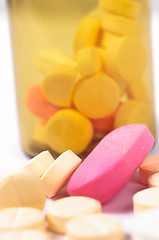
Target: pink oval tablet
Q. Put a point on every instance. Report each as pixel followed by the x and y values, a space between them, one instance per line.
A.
pixel 108 168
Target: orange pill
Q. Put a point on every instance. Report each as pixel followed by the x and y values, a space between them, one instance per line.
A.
pixel 38 104
pixel 148 167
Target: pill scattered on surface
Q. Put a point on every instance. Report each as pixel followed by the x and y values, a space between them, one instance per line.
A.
pixel 21 218
pixel 118 154
pixel 21 188
pixel 25 235
pixel 148 167
pixel 57 175
pixel 145 225
pixel 145 199
pixel 153 180
pixel 63 210
pixel 68 129
pixel 95 227
pixel 40 163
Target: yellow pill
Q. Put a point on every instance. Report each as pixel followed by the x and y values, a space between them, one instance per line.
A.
pixel 88 61
pixel 127 8
pixel 46 59
pixel 133 112
pixel 122 26
pixel 146 199
pixel 97 13
pixel 39 134
pixel 87 33
pixel 57 175
pixel 21 218
pixel 25 235
pixel 95 227
pixel 96 96
pixel 108 39
pixel 126 59
pixel 138 91
pixel 21 188
pixel 61 211
pixel 40 163
pixel 68 129
pixel 58 85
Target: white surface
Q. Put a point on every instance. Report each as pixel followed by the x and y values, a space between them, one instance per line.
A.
pixel 11 154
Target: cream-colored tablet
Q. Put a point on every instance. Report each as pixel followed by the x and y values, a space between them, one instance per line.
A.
pixel 59 172
pixel 153 180
pixel 25 235
pixel 63 210
pixel 145 225
pixel 21 218
pixel 145 199
pixel 148 167
pixel 95 227
pixel 40 163
pixel 21 188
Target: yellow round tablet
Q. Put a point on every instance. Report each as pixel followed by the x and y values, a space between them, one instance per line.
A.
pixel 21 218
pixel 25 235
pixel 57 175
pixel 21 188
pixel 122 26
pixel 133 112
pixel 58 85
pixel 61 211
pixel 126 59
pixel 87 33
pixel 145 199
pixel 127 8
pixel 96 96
pixel 95 227
pixel 137 90
pixel 88 61
pixel 68 129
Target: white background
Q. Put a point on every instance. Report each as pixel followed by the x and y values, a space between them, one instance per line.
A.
pixel 11 154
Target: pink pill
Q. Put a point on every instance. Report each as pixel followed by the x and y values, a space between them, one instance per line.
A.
pixel 108 168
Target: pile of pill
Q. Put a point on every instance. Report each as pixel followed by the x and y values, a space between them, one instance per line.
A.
pixel 30 206
pixel 100 87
